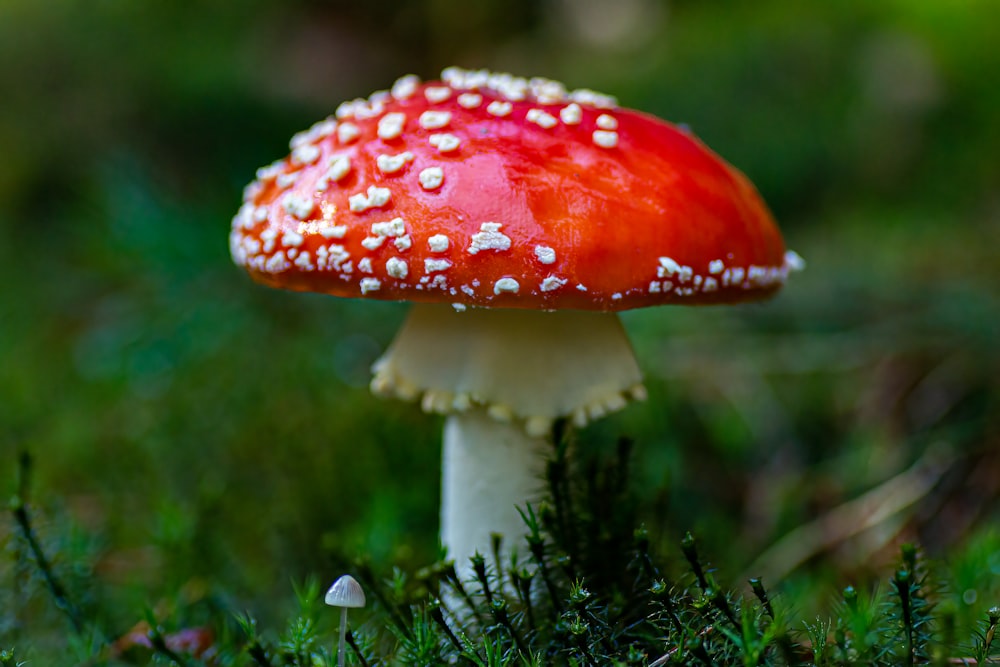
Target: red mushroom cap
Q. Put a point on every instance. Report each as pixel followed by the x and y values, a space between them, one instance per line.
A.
pixel 491 190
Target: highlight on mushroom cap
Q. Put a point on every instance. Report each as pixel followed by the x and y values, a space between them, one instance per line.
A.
pixel 485 189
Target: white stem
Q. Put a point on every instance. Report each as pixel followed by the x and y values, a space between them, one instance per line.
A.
pixel 504 377
pixel 343 636
pixel 490 468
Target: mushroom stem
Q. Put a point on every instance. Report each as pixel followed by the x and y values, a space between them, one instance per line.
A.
pixel 341 654
pixel 489 469
pixel 504 376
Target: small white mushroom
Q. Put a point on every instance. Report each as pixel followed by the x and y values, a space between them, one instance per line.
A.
pixel 345 593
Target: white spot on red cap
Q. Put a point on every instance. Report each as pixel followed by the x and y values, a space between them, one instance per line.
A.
pixel 403 242
pixel 593 98
pixel 506 285
pixel 362 110
pixel 431 178
pixel 541 118
pixel 271 170
pixel 489 237
pixel 298 206
pixel 305 154
pixel 405 86
pixel 499 109
pixel 607 122
pixel 390 125
pixel 346 109
pixel 320 129
pixel 277 263
pixel 285 181
pixel 545 254
pixel 716 266
pixel 370 285
pixel 390 164
pixel 547 91
pixel 252 190
pixel 243 218
pixel 333 231
pixel 269 236
pixel 335 256
pixel 438 243
pixel 445 142
pixel 434 120
pixel 394 227
pixel 397 268
pixel 436 94
pixel 605 139
pixel 304 261
pixel 347 132
pixel 377 100
pixel 292 239
pixel 571 114
pixel 470 100
pixel 552 283
pixel 455 76
pixel 375 198
pixel 340 166
pixel 667 267
pixel 432 265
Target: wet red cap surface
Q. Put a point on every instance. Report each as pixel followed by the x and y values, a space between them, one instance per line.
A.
pixel 490 190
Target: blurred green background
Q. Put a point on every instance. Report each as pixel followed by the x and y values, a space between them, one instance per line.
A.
pixel 193 431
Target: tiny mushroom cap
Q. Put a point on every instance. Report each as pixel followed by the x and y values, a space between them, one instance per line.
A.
pixel 345 592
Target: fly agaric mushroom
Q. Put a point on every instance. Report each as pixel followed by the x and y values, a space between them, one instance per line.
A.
pixel 518 217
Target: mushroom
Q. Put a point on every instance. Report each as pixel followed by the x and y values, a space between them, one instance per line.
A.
pixel 345 593
pixel 519 217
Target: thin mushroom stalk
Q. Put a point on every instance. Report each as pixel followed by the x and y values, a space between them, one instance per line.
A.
pixel 342 644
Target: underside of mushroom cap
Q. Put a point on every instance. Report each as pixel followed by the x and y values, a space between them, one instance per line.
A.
pixel 524 366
